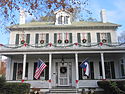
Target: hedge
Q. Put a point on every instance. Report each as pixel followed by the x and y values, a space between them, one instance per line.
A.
pixel 13 88
pixel 112 87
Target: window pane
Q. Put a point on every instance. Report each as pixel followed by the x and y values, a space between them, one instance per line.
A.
pixel 70 37
pixel 89 37
pixel 109 37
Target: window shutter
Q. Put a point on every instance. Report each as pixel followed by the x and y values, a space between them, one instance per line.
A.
pixel 37 39
pixel 78 38
pixel 47 38
pixel 14 71
pixel 26 72
pixel 28 38
pixel 70 37
pixel 89 37
pixel 55 38
pixel 109 37
pixel 98 37
pixel 17 39
pixel 47 71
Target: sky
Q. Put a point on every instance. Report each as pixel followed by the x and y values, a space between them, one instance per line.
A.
pixel 115 12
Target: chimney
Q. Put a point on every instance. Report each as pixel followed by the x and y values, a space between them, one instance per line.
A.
pixel 22 17
pixel 103 16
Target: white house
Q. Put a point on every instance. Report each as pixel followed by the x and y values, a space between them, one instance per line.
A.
pixel 63 45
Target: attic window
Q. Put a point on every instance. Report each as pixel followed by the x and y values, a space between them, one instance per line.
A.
pixel 63 19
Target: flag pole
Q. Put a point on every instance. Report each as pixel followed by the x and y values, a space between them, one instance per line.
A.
pixel 84 60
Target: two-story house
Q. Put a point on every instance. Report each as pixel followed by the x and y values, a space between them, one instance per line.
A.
pixel 63 45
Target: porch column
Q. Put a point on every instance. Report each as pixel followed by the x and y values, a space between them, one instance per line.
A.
pixel 77 78
pixel 24 66
pixel 103 66
pixel 50 65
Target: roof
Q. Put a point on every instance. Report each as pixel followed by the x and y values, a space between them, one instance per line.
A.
pixel 81 24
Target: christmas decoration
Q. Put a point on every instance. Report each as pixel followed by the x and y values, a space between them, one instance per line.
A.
pixel 100 43
pixel 84 41
pixel 59 41
pixel 66 41
pixel 41 41
pixel 104 40
pixel 22 41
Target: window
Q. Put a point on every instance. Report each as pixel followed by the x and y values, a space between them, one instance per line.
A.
pixel 17 39
pixel 63 37
pixel 83 38
pixel 66 19
pixel 18 71
pixel 104 37
pixel 42 38
pixel 122 67
pixel 45 74
pixel 60 19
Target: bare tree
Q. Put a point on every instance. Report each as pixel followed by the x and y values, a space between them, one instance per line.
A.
pixel 9 9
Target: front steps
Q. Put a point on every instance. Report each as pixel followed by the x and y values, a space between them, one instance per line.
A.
pixel 64 90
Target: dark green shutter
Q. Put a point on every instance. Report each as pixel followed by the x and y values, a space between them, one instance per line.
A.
pixel 109 37
pixel 37 39
pixel 28 38
pixel 55 38
pixel 47 38
pixel 98 37
pixel 14 71
pixel 70 37
pixel 89 37
pixel 26 72
pixel 17 39
pixel 78 38
pixel 47 71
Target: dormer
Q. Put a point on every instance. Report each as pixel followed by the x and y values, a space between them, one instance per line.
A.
pixel 63 17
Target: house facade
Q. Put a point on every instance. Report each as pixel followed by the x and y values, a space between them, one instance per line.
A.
pixel 63 45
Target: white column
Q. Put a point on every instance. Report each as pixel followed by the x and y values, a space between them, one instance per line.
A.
pixel 103 66
pixel 24 66
pixel 50 68
pixel 77 78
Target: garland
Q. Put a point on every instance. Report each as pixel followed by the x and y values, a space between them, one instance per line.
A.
pixel 54 45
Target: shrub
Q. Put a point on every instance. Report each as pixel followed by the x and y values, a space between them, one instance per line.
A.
pixel 17 88
pixel 112 87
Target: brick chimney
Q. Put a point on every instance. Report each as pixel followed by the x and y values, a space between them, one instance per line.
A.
pixel 103 16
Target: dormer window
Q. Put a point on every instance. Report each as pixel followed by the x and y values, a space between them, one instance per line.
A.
pixel 63 18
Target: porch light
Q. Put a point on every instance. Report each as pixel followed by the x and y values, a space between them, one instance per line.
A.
pixel 62 61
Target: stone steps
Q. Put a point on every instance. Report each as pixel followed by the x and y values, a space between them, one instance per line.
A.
pixel 63 90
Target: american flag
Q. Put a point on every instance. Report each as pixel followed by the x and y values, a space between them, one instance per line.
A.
pixel 40 67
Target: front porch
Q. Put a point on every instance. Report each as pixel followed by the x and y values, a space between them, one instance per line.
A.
pixel 102 66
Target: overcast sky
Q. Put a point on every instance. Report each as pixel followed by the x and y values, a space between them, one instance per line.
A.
pixel 114 9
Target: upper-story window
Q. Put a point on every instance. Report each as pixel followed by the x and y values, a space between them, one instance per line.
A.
pixel 41 38
pixel 62 38
pixel 104 37
pixel 22 38
pixel 83 38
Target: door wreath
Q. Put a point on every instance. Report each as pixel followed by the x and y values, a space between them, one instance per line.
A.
pixel 63 70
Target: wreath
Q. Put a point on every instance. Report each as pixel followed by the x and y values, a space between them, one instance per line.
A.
pixel 84 40
pixel 63 70
pixel 59 41
pixel 66 41
pixel 104 40
pixel 41 41
pixel 22 41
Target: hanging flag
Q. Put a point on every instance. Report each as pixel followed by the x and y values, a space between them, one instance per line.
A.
pixel 85 66
pixel 39 69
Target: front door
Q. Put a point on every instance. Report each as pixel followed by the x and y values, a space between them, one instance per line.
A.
pixel 63 74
